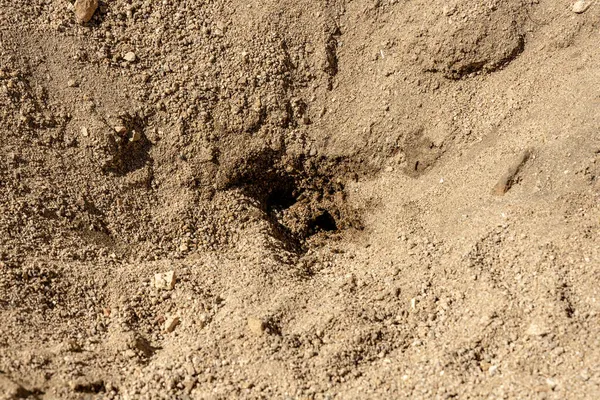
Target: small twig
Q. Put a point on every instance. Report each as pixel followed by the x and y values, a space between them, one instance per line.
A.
pixel 509 178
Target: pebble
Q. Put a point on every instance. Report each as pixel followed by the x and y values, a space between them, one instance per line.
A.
pixel 171 323
pixel 84 10
pixel 256 325
pixel 72 83
pixel 84 131
pixel 135 136
pixel 120 129
pixel 581 6
pixel 129 353
pixel 69 346
pixel 448 10
pixel 130 57
pixel 165 281
pixel 536 329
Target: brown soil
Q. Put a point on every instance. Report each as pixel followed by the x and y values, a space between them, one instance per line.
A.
pixel 359 199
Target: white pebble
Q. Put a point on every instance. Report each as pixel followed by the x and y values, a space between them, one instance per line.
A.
pixel 581 5
pixel 164 281
pixel 130 57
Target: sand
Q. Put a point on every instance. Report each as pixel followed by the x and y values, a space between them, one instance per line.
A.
pixel 299 199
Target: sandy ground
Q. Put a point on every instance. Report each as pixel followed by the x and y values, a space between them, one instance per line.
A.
pixel 302 199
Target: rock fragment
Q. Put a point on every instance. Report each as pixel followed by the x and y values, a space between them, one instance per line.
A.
pixel 84 10
pixel 581 6
pixel 130 57
pixel 537 329
pixel 256 325
pixel 135 136
pixel 164 281
pixel 171 323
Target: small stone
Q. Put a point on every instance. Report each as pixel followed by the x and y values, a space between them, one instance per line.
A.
pixel 129 353
pixel 256 325
pixel 220 29
pixel 68 346
pixel 120 129
pixel 537 329
pixel 247 385
pixel 165 281
pixel 581 6
pixel 448 10
pixel 135 136
pixel 72 83
pixel 171 323
pixel 84 131
pixel 84 10
pixel 130 57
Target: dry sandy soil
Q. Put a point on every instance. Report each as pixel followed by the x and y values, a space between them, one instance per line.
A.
pixel 358 199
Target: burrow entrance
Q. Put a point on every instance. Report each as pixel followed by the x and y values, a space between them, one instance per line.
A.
pixel 302 196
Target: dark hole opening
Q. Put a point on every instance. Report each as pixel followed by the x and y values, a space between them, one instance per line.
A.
pixel 93 387
pixel 323 222
pixel 282 196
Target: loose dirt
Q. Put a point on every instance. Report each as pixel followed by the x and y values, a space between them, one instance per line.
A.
pixel 219 199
